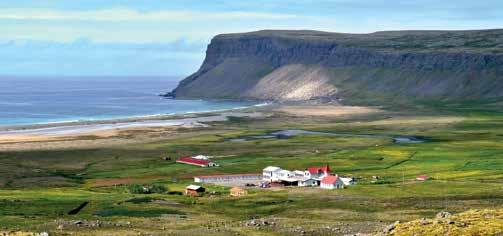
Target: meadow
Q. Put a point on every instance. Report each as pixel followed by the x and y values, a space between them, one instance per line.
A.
pixel 463 155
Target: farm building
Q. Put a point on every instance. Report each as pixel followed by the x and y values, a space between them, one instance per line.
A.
pixel 331 182
pixel 286 175
pixel 348 181
pixel 308 182
pixel 196 162
pixel 422 178
pixel 238 192
pixel 270 173
pixel 317 172
pixel 194 190
pixel 312 176
pixel 227 178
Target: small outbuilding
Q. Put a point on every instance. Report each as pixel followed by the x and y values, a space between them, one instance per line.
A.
pixel 238 192
pixel 194 190
pixel 422 178
pixel 348 181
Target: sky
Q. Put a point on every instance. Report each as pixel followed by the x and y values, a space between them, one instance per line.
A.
pixel 169 37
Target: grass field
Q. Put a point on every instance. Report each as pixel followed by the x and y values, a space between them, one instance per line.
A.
pixel 463 155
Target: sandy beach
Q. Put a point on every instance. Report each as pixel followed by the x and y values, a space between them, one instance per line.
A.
pixel 102 133
pixel 110 128
pixel 327 110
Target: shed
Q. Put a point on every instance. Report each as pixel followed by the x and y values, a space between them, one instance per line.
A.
pixel 238 192
pixel 194 190
pixel 348 180
pixel 422 177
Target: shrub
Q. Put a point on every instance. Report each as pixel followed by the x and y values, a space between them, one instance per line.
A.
pixel 157 188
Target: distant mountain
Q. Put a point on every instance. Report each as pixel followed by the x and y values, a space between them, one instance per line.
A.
pixel 302 65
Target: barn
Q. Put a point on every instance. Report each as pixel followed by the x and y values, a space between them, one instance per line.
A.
pixel 196 162
pixel 228 178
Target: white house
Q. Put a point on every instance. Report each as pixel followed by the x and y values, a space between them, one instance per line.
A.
pixel 331 182
pixel 270 173
pixel 299 173
pixel 285 174
pixel 347 181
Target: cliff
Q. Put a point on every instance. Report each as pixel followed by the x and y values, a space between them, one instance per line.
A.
pixel 301 65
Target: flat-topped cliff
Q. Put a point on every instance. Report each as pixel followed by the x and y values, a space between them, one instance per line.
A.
pixel 303 65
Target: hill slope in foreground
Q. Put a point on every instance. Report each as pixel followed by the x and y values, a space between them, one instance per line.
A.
pixel 473 222
pixel 302 65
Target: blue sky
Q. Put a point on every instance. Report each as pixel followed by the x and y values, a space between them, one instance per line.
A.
pixel 168 37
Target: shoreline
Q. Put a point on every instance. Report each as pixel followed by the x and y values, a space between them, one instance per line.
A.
pixel 187 119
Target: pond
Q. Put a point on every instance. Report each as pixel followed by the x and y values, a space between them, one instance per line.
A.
pixel 289 133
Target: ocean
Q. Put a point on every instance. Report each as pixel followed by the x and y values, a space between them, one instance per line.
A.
pixel 41 100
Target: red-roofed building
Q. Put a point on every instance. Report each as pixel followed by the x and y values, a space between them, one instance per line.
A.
pixel 196 162
pixel 331 182
pixel 422 178
pixel 317 172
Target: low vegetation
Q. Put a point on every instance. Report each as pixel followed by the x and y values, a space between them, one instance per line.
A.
pixel 473 222
pixel 463 155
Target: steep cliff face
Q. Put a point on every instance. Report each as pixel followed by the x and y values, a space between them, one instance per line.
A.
pixel 301 65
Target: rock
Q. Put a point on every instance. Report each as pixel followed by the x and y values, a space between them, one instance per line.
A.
pixel 391 227
pixel 78 222
pixel 44 234
pixel 443 215
pixel 60 227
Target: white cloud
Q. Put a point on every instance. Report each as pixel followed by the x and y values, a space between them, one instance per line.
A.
pixel 124 14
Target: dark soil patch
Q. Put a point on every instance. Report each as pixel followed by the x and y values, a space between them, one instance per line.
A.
pixel 78 209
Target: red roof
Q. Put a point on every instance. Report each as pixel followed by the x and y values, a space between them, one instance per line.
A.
pixel 190 160
pixel 329 179
pixel 317 170
pixel 422 177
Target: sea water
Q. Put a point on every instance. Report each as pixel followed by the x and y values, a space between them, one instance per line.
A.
pixel 39 100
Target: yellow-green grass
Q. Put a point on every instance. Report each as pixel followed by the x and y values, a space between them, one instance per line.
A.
pixel 463 155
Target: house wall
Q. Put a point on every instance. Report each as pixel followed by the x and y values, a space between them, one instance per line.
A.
pixel 271 176
pixel 337 185
pixel 190 192
pixel 310 182
pixel 225 179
